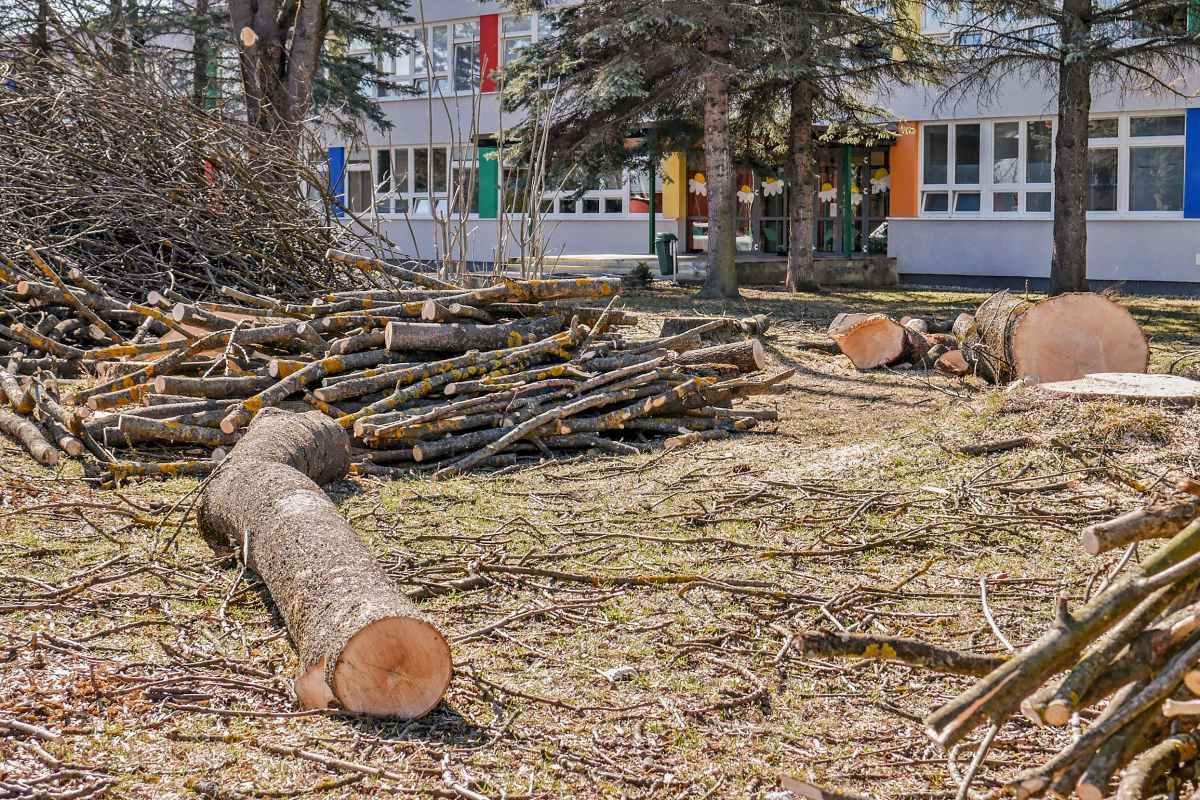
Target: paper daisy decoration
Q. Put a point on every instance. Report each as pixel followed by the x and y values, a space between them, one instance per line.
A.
pixel 772 187
pixel 696 185
pixel 855 195
pixel 881 181
pixel 828 194
pixel 745 195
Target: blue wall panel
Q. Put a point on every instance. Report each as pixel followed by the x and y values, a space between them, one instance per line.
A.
pixel 1191 183
pixel 337 179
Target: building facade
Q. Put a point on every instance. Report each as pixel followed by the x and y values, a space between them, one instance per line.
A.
pixel 962 192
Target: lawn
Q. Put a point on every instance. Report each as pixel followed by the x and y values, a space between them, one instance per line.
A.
pixel 637 633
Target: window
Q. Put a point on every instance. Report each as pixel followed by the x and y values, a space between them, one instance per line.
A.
pixel 466 56
pixel 966 202
pixel 1039 151
pixel 1156 126
pixel 1156 179
pixel 521 30
pixel 937 153
pixel 1039 202
pixel 1005 168
pixel 358 183
pixel 936 202
pixel 1106 128
pixel 966 154
pixel 1005 202
pixel 1006 152
pixel 404 178
pixel 464 180
pixel 1102 178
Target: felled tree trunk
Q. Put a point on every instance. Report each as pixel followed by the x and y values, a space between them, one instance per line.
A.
pixel 363 645
pixel 874 340
pixel 1058 339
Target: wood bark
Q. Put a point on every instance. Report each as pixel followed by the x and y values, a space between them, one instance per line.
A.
pixel 213 388
pixel 362 644
pixel 747 356
pixel 721 280
pixel 1068 254
pixel 459 338
pixel 757 325
pixel 801 271
pixel 1161 521
pixel 1058 339
pixel 30 436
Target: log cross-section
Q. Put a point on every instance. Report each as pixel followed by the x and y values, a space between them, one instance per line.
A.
pixel 363 645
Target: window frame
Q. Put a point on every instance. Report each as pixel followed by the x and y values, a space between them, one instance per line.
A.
pixel 989 187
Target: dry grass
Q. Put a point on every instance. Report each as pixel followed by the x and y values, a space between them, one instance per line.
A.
pixel 635 640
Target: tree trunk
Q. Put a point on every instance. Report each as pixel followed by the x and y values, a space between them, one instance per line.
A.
pixel 118 31
pixel 801 274
pixel 200 54
pixel 1058 339
pixel 721 280
pixel 279 53
pixel 41 30
pixel 1068 259
pixel 362 644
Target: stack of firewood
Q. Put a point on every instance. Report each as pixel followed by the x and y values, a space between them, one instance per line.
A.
pixel 426 375
pixel 1125 666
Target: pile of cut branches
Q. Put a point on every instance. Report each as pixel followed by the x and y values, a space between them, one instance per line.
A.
pixel 1125 667
pixel 112 176
pixel 428 375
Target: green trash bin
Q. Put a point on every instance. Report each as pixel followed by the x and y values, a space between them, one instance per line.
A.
pixel 664 248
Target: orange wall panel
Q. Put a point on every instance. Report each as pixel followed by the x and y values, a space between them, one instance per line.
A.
pixel 905 156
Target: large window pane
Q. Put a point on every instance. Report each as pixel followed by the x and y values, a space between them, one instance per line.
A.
pixel 937 154
pixel 466 67
pixel 420 170
pixel 439 48
pixel 966 154
pixel 359 188
pixel 1156 179
pixel 519 23
pixel 1156 126
pixel 440 166
pixel 1102 179
pixel 1039 149
pixel 400 171
pixel 383 181
pixel 514 46
pixel 1007 152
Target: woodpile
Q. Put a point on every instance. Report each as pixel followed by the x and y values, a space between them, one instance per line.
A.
pixel 1125 667
pixel 425 376
pixel 1057 339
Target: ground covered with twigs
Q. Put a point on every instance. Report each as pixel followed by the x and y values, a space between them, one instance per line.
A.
pixel 635 633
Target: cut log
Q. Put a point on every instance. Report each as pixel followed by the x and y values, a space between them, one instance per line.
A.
pixel 459 338
pixel 1152 522
pixel 747 355
pixel 213 388
pixel 25 431
pixel 952 363
pixel 915 324
pixel 871 340
pixel 749 326
pixel 962 325
pixel 1058 339
pixel 1136 387
pixel 362 644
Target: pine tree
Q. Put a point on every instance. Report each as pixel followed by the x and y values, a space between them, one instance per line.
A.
pixel 617 66
pixel 1070 46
